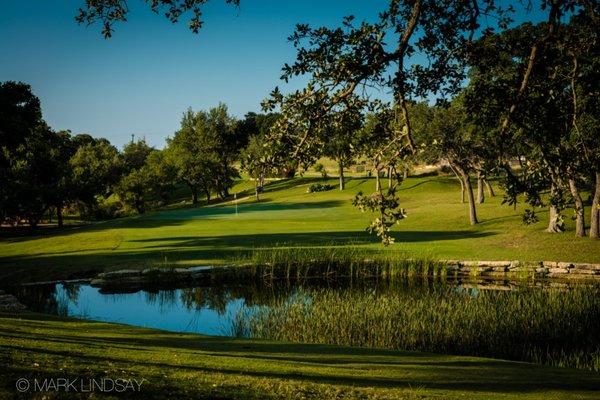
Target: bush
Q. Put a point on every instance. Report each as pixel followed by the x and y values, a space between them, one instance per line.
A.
pixel 318 187
pixel 445 169
pixel 320 168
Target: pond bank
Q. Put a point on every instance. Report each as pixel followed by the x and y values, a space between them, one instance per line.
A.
pixel 332 270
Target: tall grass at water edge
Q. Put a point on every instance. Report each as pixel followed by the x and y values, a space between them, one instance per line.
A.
pixel 554 327
pixel 332 262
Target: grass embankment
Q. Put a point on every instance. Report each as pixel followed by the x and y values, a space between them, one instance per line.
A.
pixel 436 227
pixel 191 366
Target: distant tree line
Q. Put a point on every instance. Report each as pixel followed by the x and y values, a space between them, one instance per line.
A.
pixel 47 173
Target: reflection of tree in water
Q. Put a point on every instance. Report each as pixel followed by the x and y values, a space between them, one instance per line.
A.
pixel 214 297
pixel 72 291
pixel 165 299
pixel 48 298
pixel 39 298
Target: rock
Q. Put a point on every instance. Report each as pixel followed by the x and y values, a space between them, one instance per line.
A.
pixel 8 302
pixel 564 265
pixel 469 263
pixel 575 271
pixel 495 264
pixel 588 267
pixel 558 270
pixel 120 273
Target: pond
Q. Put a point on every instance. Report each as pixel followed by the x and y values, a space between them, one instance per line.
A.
pixel 544 322
pixel 204 310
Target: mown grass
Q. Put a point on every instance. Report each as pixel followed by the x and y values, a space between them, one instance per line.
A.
pixel 554 327
pixel 436 227
pixel 186 366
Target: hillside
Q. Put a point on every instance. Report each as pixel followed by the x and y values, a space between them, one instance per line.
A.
pixel 436 227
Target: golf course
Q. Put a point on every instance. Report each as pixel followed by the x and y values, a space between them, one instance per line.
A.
pixel 233 199
pixel 436 227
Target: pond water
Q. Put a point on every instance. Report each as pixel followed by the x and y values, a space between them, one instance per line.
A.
pixel 204 310
pixel 544 322
pixel 198 310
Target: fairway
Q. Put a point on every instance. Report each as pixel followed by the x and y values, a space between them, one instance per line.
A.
pixel 436 227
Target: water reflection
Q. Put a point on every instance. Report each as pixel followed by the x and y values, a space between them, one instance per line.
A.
pixel 213 310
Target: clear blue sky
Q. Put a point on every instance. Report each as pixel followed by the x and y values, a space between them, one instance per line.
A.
pixel 141 80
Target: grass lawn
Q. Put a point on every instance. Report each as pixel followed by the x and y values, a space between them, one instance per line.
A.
pixel 192 366
pixel 436 227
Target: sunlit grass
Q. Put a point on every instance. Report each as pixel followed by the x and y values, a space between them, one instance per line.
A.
pixel 436 227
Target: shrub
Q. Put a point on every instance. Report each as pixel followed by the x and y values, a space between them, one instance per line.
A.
pixel 318 187
pixel 320 168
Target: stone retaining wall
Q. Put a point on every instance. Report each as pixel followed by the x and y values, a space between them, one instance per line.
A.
pixel 549 269
pixel 9 303
pixel 207 274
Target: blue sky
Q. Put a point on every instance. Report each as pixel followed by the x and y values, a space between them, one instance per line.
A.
pixel 141 80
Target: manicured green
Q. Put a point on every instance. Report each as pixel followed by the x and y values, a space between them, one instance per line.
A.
pixel 190 366
pixel 436 227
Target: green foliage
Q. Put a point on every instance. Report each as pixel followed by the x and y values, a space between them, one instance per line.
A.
pixel 162 175
pixel 135 155
pixel 203 151
pixel 318 187
pixel 133 189
pixel 108 12
pixel 320 168
pixel 96 167
pixel 387 205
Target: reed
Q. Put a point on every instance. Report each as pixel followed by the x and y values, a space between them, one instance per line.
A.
pixel 282 262
pixel 554 327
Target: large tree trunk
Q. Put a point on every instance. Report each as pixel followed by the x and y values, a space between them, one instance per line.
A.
pixel 489 188
pixel 405 173
pixel 341 167
pixel 256 191
pixel 469 189
pixel 59 215
pixel 595 212
pixel 390 173
pixel 377 180
pixel 194 194
pixel 579 212
pixel 462 184
pixel 480 194
pixel 553 217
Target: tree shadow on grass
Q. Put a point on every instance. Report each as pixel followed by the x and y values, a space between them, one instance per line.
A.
pixel 189 249
pixel 350 366
pixel 243 208
pixel 305 239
